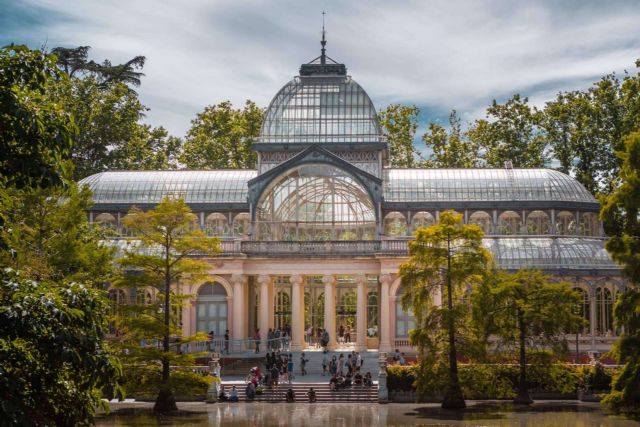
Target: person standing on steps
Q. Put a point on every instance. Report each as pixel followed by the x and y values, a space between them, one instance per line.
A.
pixel 341 334
pixel 256 338
pixel 347 334
pixel 325 340
pixel 341 364
pixel 290 368
pixel 226 341
pixel 324 364
pixel 303 364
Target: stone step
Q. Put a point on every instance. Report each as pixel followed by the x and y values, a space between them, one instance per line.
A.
pixel 323 393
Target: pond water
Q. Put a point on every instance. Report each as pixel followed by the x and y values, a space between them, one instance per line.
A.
pixel 486 414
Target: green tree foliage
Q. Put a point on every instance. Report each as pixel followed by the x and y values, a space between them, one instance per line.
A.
pixel 35 132
pixel 399 123
pixel 167 236
pixel 444 259
pixel 221 136
pixel 50 237
pixel 53 361
pixel 452 148
pixel 150 148
pixel 76 60
pixel 511 133
pixel 586 128
pixel 621 217
pixel 526 310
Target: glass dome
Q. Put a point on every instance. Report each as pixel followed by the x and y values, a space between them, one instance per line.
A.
pixel 320 109
pixel 315 202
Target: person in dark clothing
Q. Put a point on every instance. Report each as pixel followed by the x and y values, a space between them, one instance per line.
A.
pixel 291 396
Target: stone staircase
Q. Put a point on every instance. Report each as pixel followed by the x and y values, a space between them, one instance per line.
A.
pixel 241 366
pixel 323 393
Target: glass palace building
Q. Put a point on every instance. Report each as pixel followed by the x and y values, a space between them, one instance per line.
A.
pixel 314 236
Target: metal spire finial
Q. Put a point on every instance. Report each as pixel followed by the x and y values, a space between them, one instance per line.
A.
pixel 323 56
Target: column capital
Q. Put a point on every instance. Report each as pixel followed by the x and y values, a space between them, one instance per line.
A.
pixel 296 279
pixel 360 278
pixel 237 278
pixel 264 279
pixel 386 279
pixel 328 279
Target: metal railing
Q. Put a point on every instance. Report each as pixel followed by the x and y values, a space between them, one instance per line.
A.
pixel 330 247
pixel 243 346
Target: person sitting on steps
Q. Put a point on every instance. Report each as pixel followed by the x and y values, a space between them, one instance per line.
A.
pixel 291 396
pixel 312 395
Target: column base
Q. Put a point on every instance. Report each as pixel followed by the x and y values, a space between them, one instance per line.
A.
pixel 296 347
pixel 361 347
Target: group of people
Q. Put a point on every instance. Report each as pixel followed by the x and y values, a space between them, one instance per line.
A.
pixel 398 358
pixel 211 342
pixel 277 339
pixel 339 381
pixel 340 365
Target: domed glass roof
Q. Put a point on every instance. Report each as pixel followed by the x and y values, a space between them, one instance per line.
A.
pixel 321 109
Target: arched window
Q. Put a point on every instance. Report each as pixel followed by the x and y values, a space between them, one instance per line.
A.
pixel 143 296
pixel 282 310
pixel 565 223
pixel 604 311
pixel 589 224
pixel 315 202
pixel 421 220
pixel 483 220
pixel 106 220
pixel 538 223
pixel 372 314
pixel 241 224
pixel 509 223
pixel 216 224
pixel 212 309
pixel 117 297
pixel 395 225
pixel 405 321
pixel 583 309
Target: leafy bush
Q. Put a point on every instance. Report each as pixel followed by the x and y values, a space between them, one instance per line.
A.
pixel 145 381
pixel 499 381
pixel 595 378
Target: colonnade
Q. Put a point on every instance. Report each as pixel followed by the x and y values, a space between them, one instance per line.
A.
pixel 265 313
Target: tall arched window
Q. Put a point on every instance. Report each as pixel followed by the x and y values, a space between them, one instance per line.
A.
pixel 483 220
pixel 282 310
pixel 372 314
pixel 216 224
pixel 212 309
pixel 538 223
pixel 604 311
pixel 589 224
pixel 509 223
pixel 421 220
pixel 584 309
pixel 143 296
pixel 565 223
pixel 405 321
pixel 395 224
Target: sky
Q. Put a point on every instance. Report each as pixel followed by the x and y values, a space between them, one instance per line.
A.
pixel 438 55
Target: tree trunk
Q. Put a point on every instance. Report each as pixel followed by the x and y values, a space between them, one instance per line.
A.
pixel 453 398
pixel 165 401
pixel 523 397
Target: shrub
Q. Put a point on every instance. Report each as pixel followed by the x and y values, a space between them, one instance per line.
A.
pixel 145 381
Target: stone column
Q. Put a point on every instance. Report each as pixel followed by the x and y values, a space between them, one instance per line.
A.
pixel 361 313
pixel 263 319
pixel 385 316
pixel 330 308
pixel 592 317
pixel 239 329
pixel 297 312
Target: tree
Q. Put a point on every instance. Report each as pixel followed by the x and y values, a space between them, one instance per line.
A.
pixel 35 131
pixel 148 149
pixel 444 258
pixel 168 240
pixel 512 134
pixel 76 60
pixel 221 137
pixel 50 237
pixel 620 214
pixel 528 310
pixel 399 123
pixel 107 119
pixel 450 149
pixel 54 362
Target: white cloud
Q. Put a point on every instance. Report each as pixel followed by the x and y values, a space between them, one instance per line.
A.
pixel 437 54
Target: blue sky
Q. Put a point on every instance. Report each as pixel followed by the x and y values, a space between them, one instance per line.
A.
pixel 438 55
